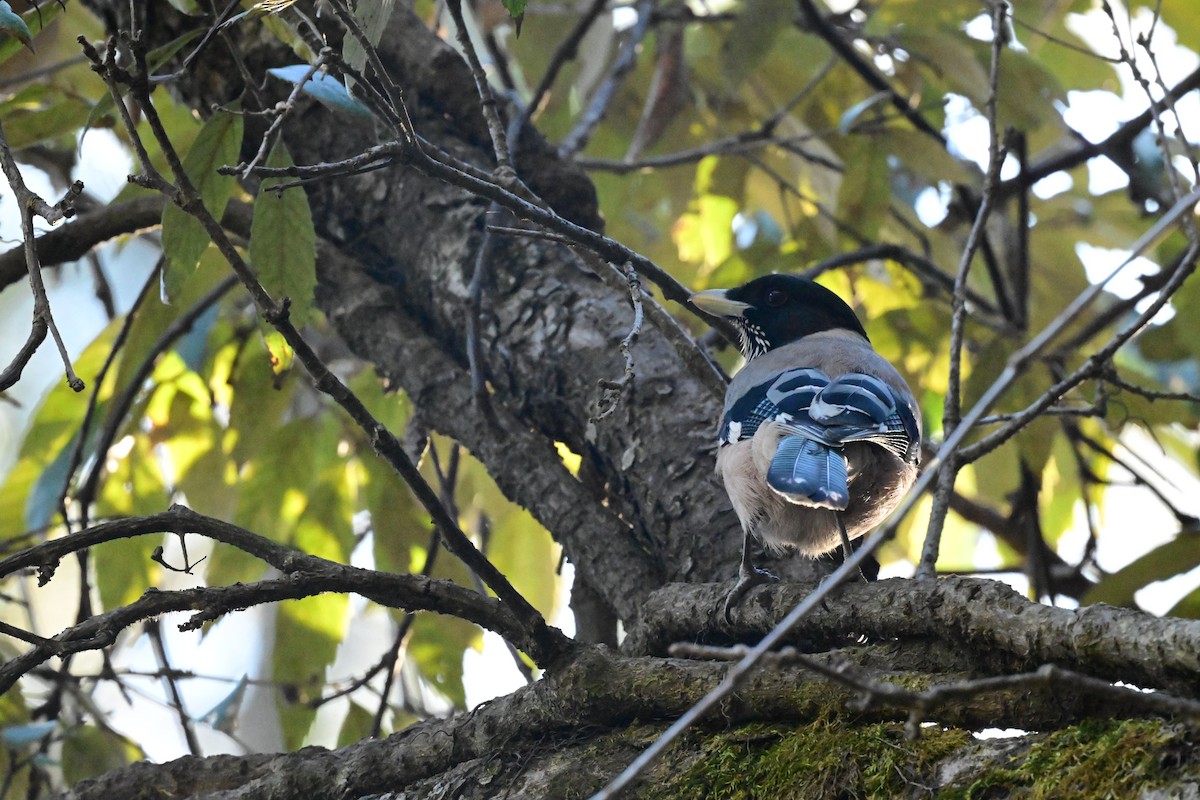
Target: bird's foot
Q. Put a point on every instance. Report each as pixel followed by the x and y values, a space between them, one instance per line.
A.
pixel 748 578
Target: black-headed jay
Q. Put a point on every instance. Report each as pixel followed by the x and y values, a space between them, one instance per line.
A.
pixel 820 437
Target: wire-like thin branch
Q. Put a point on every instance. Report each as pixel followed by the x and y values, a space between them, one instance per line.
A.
pixel 304 575
pixel 31 204
pixel 952 408
pixel 175 698
pixel 1096 364
pixel 487 99
pixel 567 49
pixel 624 63
pixel 818 24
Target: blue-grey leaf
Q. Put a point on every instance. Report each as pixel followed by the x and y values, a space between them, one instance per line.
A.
pixel 14 736
pixel 12 24
pixel 325 88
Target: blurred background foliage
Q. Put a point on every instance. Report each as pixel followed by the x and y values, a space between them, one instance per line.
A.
pixel 742 143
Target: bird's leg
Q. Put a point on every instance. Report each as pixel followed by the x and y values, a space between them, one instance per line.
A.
pixel 748 577
pixel 847 550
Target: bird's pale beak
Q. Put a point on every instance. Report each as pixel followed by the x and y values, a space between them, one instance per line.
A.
pixel 716 302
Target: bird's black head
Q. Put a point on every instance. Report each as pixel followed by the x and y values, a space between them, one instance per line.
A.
pixel 775 310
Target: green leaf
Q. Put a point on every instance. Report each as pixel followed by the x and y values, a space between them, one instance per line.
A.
pixel 41 113
pixel 307 634
pixel 865 193
pixel 1188 606
pixel 436 646
pixel 758 24
pixel 356 726
pixel 89 751
pixel 372 16
pixel 50 433
pixel 152 318
pixel 1176 557
pixel 134 487
pixel 283 242
pixel 947 58
pixel 183 237
pixel 925 158
pixel 259 404
pixel 522 549
pixel 189 7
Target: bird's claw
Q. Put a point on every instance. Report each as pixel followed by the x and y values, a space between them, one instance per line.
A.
pixel 747 580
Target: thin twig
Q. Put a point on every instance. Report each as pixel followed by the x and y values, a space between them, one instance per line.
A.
pixel 281 111
pixel 487 99
pixel 31 204
pixel 567 49
pixel 952 408
pixel 1095 365
pixel 624 63
pixel 866 71
pixel 175 698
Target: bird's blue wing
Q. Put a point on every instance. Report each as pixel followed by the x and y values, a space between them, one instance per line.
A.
pixel 811 473
pixel 861 408
pixel 783 397
pixel 820 417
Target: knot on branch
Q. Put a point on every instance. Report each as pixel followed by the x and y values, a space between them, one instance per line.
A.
pixel 280 314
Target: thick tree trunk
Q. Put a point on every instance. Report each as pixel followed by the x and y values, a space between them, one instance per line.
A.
pixel 647 508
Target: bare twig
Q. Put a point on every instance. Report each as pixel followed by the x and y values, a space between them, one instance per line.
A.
pixel 1095 365
pixel 624 63
pixel 31 204
pixel 487 99
pixel 281 111
pixel 952 409
pixel 866 71
pixel 154 629
pixel 567 49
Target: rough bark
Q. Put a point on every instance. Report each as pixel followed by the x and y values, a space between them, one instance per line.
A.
pixel 569 733
pixel 550 326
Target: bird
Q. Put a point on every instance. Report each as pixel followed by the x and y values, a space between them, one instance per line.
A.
pixel 820 436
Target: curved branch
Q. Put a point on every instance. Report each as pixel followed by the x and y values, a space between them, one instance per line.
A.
pixel 74 240
pixel 304 576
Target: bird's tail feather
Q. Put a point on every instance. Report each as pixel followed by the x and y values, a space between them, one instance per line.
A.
pixel 809 473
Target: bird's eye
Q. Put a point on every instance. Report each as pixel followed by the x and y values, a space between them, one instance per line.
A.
pixel 776 298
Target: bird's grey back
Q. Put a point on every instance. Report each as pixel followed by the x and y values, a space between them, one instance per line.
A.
pixel 833 352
